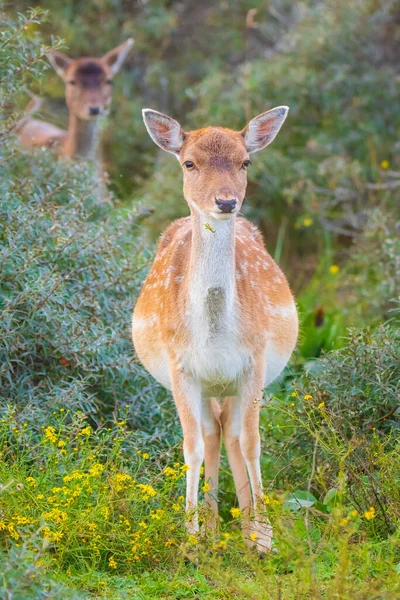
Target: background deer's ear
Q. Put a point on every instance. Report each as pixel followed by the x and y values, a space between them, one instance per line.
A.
pixel 164 131
pixel 116 57
pixel 60 63
pixel 262 130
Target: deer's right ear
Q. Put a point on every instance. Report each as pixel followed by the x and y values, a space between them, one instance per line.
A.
pixel 60 62
pixel 164 131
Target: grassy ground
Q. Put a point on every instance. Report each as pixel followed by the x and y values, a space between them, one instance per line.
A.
pixel 91 512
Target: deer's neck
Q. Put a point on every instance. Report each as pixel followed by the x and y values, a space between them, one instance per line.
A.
pixel 212 268
pixel 83 138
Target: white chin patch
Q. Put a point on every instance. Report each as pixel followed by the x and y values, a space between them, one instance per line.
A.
pixel 223 216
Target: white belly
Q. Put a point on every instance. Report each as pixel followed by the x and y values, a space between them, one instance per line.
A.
pixel 218 371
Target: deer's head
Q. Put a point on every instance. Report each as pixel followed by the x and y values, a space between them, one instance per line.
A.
pixel 88 81
pixel 214 160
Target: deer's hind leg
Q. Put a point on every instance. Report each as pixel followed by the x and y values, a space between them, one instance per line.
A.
pixel 211 429
pixel 231 428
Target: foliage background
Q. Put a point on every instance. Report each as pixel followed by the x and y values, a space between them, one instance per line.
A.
pixel 326 197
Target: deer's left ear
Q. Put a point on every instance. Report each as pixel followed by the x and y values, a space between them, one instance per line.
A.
pixel 262 130
pixel 116 57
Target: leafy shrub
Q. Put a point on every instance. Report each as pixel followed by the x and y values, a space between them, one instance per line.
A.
pixel 69 274
pixel 361 382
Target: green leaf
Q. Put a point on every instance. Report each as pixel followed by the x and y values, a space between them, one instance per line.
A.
pixel 332 497
pixel 300 499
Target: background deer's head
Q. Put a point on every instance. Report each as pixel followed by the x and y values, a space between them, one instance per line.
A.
pixel 88 81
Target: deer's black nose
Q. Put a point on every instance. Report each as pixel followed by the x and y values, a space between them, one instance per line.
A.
pixel 226 206
pixel 94 111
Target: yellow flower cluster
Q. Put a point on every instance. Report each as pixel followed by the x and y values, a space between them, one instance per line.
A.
pixel 147 491
pixel 370 513
pixel 157 514
pixel 85 431
pixel 122 481
pixel 50 435
pixel 235 512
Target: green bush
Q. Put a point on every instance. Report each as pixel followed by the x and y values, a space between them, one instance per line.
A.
pixel 361 382
pixel 70 271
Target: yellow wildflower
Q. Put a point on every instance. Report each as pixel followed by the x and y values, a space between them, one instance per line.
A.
pixel 61 443
pixel 201 470
pixel 267 499
pixel 86 431
pixel 354 513
pixel 31 481
pixel 344 522
pixel 185 468
pixel 385 164
pixel 253 537
pixel 294 394
pixel 176 506
pixel 169 543
pixel 97 468
pixel 307 397
pixel 111 563
pixel 206 487
pixel 145 456
pixel 192 539
pixel 235 512
pixel 307 222
pixel 321 405
pixel 334 269
pixel 11 529
pixel 170 472
pixel 143 525
pixel 50 434
pixel 147 491
pixel 370 513
pixel 23 520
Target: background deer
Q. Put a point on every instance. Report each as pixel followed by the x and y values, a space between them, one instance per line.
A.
pixel 216 317
pixel 88 87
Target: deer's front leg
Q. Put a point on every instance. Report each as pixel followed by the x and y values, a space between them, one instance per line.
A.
pixel 187 396
pixel 252 392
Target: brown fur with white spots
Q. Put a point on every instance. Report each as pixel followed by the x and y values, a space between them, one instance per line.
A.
pixel 216 317
pixel 88 89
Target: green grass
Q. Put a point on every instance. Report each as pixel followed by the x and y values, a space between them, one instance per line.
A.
pixel 91 512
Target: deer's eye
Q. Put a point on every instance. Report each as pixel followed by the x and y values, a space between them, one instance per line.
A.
pixel 189 165
pixel 246 163
pixel 72 82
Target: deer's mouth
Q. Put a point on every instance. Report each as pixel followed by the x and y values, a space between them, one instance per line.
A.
pixel 221 216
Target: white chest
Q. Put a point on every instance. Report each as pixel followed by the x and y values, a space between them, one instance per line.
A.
pixel 215 355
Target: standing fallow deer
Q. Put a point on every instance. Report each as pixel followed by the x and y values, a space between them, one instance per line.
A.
pixel 216 318
pixel 88 87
